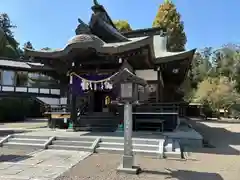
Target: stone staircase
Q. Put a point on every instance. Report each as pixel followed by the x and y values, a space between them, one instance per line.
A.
pixel 74 143
pixel 45 142
pixel 159 148
pixel 147 147
pixel 156 148
pixel 172 149
pixel 98 122
pixel 22 141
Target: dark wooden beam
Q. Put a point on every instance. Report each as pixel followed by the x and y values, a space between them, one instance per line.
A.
pixel 148 58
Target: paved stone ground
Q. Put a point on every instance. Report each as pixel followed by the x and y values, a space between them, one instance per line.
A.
pixel 33 124
pixel 8 155
pixel 42 165
pixel 219 163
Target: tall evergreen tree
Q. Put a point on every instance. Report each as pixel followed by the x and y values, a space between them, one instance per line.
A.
pixel 169 19
pixel 7 26
pixel 6 49
pixel 8 45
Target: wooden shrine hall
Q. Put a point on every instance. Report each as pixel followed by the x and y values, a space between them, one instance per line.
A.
pixel 98 52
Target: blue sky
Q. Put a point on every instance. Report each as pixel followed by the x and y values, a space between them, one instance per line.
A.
pixel 50 23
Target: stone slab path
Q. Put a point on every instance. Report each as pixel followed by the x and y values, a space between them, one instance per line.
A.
pixel 42 165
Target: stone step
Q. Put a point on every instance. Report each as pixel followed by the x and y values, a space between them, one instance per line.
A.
pixel 177 147
pixel 30 137
pixel 172 155
pixel 135 146
pixel 28 141
pixel 109 150
pixel 101 117
pixel 73 148
pixel 25 145
pixel 98 129
pixel 100 113
pixel 120 151
pixel 168 148
pixel 171 146
pixel 172 149
pixel 98 124
pixel 79 139
pixel 134 140
pixel 72 143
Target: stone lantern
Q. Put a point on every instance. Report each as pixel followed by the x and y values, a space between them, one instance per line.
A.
pixel 128 96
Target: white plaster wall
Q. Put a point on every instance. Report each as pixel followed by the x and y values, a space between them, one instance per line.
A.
pixel 8 78
pixel 148 75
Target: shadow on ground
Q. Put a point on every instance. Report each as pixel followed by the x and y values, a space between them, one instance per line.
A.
pixel 184 174
pixel 9 132
pixel 219 139
pixel 13 158
pixel 222 121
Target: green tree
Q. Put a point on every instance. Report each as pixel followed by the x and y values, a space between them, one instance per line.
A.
pixel 9 48
pixel 169 19
pixel 6 49
pixel 201 66
pixel 217 93
pixel 7 26
pixel 8 45
pixel 226 62
pixel 122 26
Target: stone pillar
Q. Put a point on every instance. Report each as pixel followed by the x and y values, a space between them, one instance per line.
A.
pixel 128 159
pixel 128 131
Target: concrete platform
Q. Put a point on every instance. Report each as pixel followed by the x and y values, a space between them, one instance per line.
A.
pixel 186 136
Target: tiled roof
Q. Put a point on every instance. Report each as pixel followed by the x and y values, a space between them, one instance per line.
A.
pixel 19 64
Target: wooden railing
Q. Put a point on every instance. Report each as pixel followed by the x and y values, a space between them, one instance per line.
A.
pixel 164 107
pixel 33 90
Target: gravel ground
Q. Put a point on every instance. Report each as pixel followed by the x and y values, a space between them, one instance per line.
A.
pixel 220 163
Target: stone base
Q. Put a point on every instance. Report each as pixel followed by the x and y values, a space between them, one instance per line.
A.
pixel 127 165
pixel 133 170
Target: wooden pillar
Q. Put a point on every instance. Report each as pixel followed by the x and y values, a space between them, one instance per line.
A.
pixel 91 101
pixel 159 85
pixel 74 110
pixel 73 101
